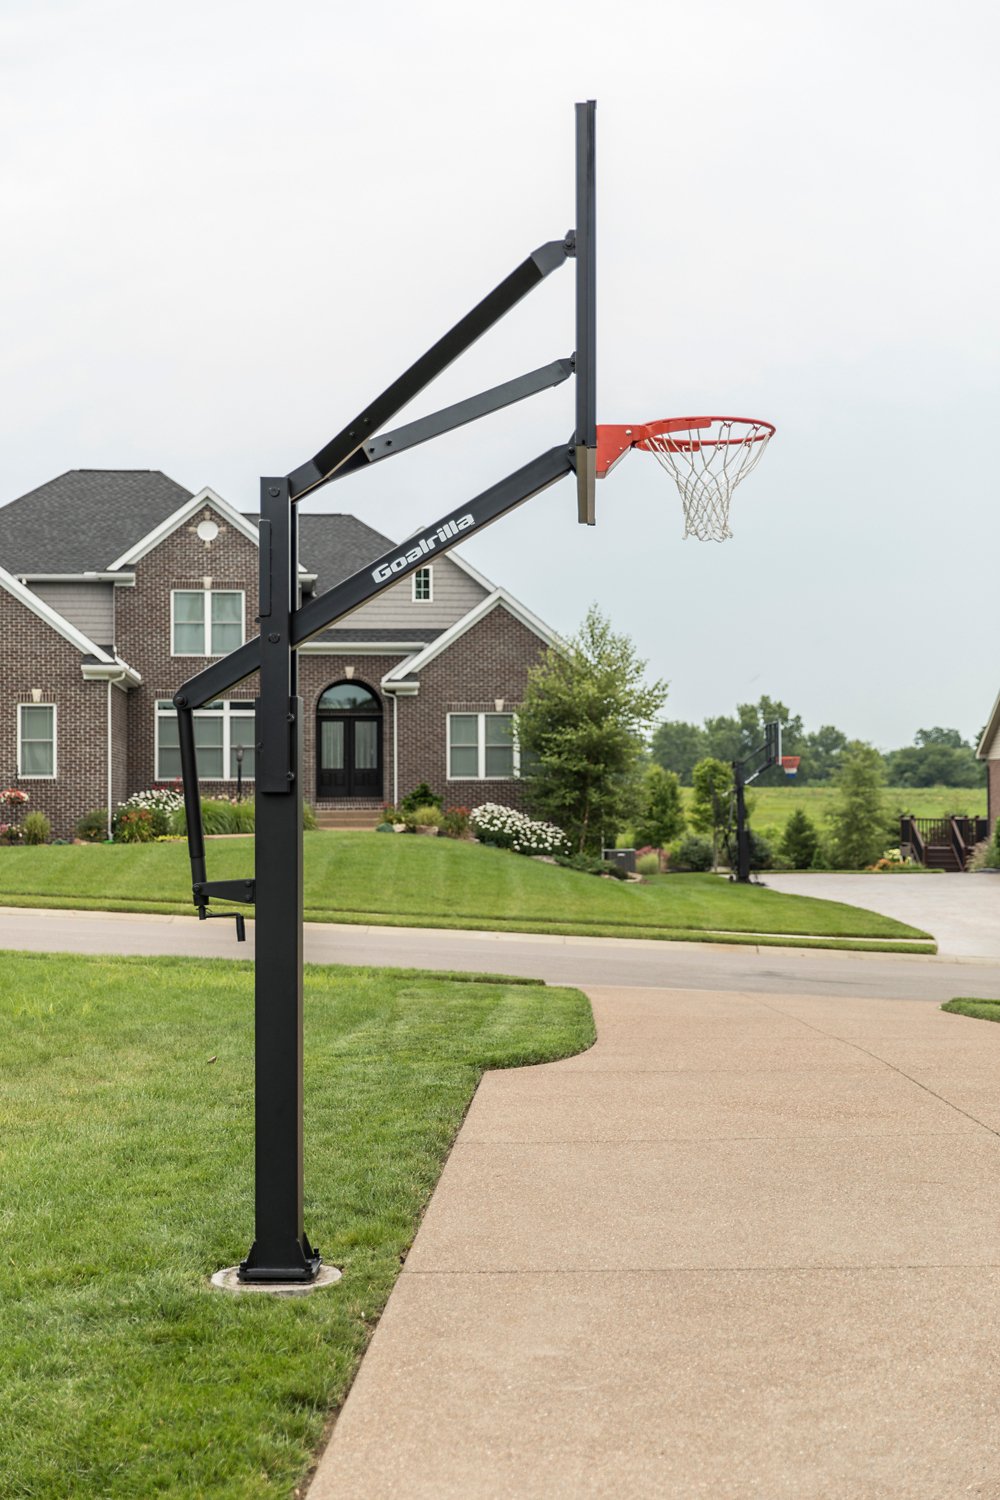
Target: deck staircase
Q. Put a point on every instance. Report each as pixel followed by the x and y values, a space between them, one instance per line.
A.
pixel 944 843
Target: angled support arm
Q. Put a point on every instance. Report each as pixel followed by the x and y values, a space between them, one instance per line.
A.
pixel 320 613
pixel 529 274
pixel 449 417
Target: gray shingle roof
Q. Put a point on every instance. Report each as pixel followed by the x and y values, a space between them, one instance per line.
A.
pixel 85 519
pixel 421 637
pixel 333 546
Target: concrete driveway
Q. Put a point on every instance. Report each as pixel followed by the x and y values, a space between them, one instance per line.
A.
pixel 961 911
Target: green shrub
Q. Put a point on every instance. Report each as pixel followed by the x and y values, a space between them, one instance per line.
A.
pixel 456 823
pixel 590 864
pixel 648 864
pixel 134 825
pixel 428 815
pixel 760 851
pixel 691 854
pixel 385 828
pixel 220 816
pixel 309 817
pixel 801 840
pixel 421 796
pixel 36 828
pixel 93 826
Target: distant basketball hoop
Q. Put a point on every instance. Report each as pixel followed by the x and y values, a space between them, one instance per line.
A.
pixel 790 764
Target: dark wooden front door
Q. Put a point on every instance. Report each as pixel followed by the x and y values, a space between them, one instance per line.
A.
pixel 349 758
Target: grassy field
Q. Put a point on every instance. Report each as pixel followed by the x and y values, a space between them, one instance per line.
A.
pixel 407 881
pixel 774 805
pixel 126 1135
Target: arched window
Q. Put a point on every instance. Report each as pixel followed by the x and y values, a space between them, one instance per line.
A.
pixel 349 698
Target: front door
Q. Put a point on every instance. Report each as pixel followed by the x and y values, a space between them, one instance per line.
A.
pixel 348 743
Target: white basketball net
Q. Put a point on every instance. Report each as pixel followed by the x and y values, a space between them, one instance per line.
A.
pixel 707 463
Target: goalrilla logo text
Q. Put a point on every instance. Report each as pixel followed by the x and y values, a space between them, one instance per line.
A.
pixel 420 549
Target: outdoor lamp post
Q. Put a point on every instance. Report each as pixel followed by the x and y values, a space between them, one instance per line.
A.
pixel 239 772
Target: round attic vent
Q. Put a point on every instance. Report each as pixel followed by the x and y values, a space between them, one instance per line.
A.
pixel 208 530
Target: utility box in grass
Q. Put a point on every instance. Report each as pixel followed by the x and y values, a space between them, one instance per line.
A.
pixel 623 858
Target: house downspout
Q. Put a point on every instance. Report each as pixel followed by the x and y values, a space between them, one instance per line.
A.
pixel 395 751
pixel 111 813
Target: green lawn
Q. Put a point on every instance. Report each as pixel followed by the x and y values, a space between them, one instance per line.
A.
pixel 399 880
pixel 126 1180
pixel 774 805
pixel 968 1005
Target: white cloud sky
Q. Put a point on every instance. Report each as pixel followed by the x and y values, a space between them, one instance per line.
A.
pixel 228 226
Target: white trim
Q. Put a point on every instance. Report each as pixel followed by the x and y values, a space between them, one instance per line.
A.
pixel 359 648
pixel 117 672
pixel 51 617
pixel 990 732
pixel 481 716
pixel 120 580
pixel 184 513
pixel 37 776
pixel 207 620
pixel 479 612
pixel 427 568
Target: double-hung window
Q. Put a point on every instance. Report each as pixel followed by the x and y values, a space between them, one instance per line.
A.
pixel 36 739
pixel 423 585
pixel 220 728
pixel 482 747
pixel 206 622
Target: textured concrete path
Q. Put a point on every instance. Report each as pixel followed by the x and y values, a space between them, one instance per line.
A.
pixel 744 1247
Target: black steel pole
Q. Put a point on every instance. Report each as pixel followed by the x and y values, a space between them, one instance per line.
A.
pixel 280 1251
pixel 742 834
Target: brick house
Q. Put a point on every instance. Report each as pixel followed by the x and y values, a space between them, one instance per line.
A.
pixel 989 751
pixel 118 585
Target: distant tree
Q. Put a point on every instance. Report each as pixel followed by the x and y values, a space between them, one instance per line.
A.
pixel 800 841
pixel 584 720
pixel 821 753
pixel 677 746
pixel 723 738
pixel 754 718
pixel 935 764
pixel 858 820
pixel 661 817
pixel 951 739
pixel 711 804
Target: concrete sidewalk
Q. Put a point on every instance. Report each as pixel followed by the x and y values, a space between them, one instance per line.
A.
pixel 743 1247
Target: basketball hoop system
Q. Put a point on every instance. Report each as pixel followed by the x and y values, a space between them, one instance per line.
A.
pixel 707 457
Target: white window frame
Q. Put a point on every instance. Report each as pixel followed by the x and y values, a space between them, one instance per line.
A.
pixel 481 744
pixel 207 619
pixel 429 570
pixel 219 707
pixel 38 775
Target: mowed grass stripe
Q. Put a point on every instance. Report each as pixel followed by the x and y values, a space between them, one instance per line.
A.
pixel 126 1172
pixel 435 882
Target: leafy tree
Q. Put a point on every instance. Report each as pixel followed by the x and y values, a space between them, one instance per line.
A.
pixel 935 764
pixel 951 739
pixel 801 840
pixel 711 805
pixel 821 753
pixel 723 738
pixel 858 821
pixel 584 721
pixel 677 746
pixel 661 818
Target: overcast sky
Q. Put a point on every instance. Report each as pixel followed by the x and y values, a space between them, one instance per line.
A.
pixel 230 225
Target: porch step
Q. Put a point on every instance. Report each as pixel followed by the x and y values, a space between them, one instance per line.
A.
pixel 349 817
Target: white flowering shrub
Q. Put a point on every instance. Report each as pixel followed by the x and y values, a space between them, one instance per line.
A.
pixel 510 829
pixel 146 813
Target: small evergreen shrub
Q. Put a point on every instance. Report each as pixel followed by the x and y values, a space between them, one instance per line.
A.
pixel 36 828
pixel 93 826
pixel 421 796
pixel 801 840
pixel 691 854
